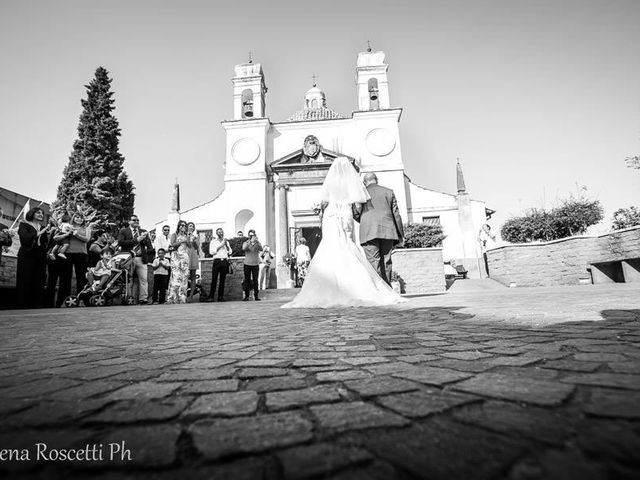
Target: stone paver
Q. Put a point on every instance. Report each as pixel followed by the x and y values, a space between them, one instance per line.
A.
pixel 355 415
pixel 424 403
pixel 227 404
pixel 217 438
pixel 498 383
pixel 518 389
pixel 299 398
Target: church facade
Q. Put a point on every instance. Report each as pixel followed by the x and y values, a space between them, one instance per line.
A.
pixel 274 170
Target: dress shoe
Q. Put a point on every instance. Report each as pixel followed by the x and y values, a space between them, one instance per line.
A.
pixel 245 299
pixel 257 299
pixel 143 302
pixel 220 299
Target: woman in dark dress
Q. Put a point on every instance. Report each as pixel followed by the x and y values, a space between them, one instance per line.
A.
pixel 32 259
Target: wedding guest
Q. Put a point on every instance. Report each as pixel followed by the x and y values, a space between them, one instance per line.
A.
pixel 136 240
pixel 151 252
pixel 487 241
pixel 163 240
pixel 194 257
pixel 61 247
pixel 239 234
pixel 151 256
pixel 77 258
pixel 266 257
pixel 102 270
pixel 251 264
pixel 160 267
pixel 303 258
pixel 96 248
pixel 32 257
pixel 179 264
pixel 56 268
pixel 220 250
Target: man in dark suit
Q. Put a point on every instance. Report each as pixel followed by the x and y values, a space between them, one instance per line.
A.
pixel 136 240
pixel 380 225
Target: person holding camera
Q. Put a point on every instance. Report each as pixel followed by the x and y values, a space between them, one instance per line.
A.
pixel 220 250
pixel 251 250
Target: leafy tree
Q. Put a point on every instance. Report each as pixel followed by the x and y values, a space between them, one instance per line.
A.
pixel 572 217
pixel 236 246
pixel 94 177
pixel 421 235
pixel 625 218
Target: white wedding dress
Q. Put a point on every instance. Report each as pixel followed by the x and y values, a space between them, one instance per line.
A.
pixel 339 273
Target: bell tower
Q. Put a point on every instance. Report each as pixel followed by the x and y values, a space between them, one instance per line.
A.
pixel 371 81
pixel 249 91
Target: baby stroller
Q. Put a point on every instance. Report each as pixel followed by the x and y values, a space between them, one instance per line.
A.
pixel 117 286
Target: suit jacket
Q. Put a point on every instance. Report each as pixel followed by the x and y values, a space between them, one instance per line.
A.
pixel 128 243
pixel 379 218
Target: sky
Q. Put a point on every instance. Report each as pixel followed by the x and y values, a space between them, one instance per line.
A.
pixel 537 98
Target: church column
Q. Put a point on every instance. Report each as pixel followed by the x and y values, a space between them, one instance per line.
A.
pixel 282 234
pixel 283 219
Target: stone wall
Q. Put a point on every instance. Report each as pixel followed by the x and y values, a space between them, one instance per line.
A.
pixel 570 261
pixel 421 270
pixel 8 266
pixel 233 282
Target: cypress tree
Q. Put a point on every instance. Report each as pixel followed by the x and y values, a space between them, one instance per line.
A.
pixel 94 178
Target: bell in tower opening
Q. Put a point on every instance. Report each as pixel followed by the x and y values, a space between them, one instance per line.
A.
pixel 247 103
pixel 373 93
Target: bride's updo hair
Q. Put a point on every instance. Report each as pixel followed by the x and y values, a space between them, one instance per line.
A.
pixel 343 184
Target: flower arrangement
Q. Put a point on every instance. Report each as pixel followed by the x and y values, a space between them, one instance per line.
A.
pixel 289 260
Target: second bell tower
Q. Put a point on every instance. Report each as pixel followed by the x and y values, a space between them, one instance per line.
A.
pixel 249 91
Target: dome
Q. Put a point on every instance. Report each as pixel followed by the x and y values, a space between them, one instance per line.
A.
pixel 314 108
pixel 315 91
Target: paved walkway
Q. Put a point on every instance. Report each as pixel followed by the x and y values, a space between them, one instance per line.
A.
pixel 476 383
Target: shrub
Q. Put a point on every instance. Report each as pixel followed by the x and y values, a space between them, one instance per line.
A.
pixel 236 246
pixel 421 235
pixel 572 217
pixel 625 218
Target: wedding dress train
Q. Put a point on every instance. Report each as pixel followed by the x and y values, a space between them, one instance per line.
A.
pixel 339 274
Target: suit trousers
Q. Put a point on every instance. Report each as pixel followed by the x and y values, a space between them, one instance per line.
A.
pixel 220 268
pixel 378 252
pixel 141 271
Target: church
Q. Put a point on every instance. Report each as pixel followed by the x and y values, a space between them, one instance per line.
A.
pixel 274 169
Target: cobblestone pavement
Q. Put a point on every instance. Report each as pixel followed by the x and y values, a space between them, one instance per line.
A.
pixel 496 383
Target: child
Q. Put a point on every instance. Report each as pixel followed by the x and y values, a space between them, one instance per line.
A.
pixel 61 247
pixel 102 270
pixel 160 267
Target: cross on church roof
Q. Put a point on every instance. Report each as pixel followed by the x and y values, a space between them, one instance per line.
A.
pixel 368 46
pixel 314 79
pixel 250 58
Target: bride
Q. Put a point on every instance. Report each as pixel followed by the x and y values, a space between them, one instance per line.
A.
pixel 339 274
